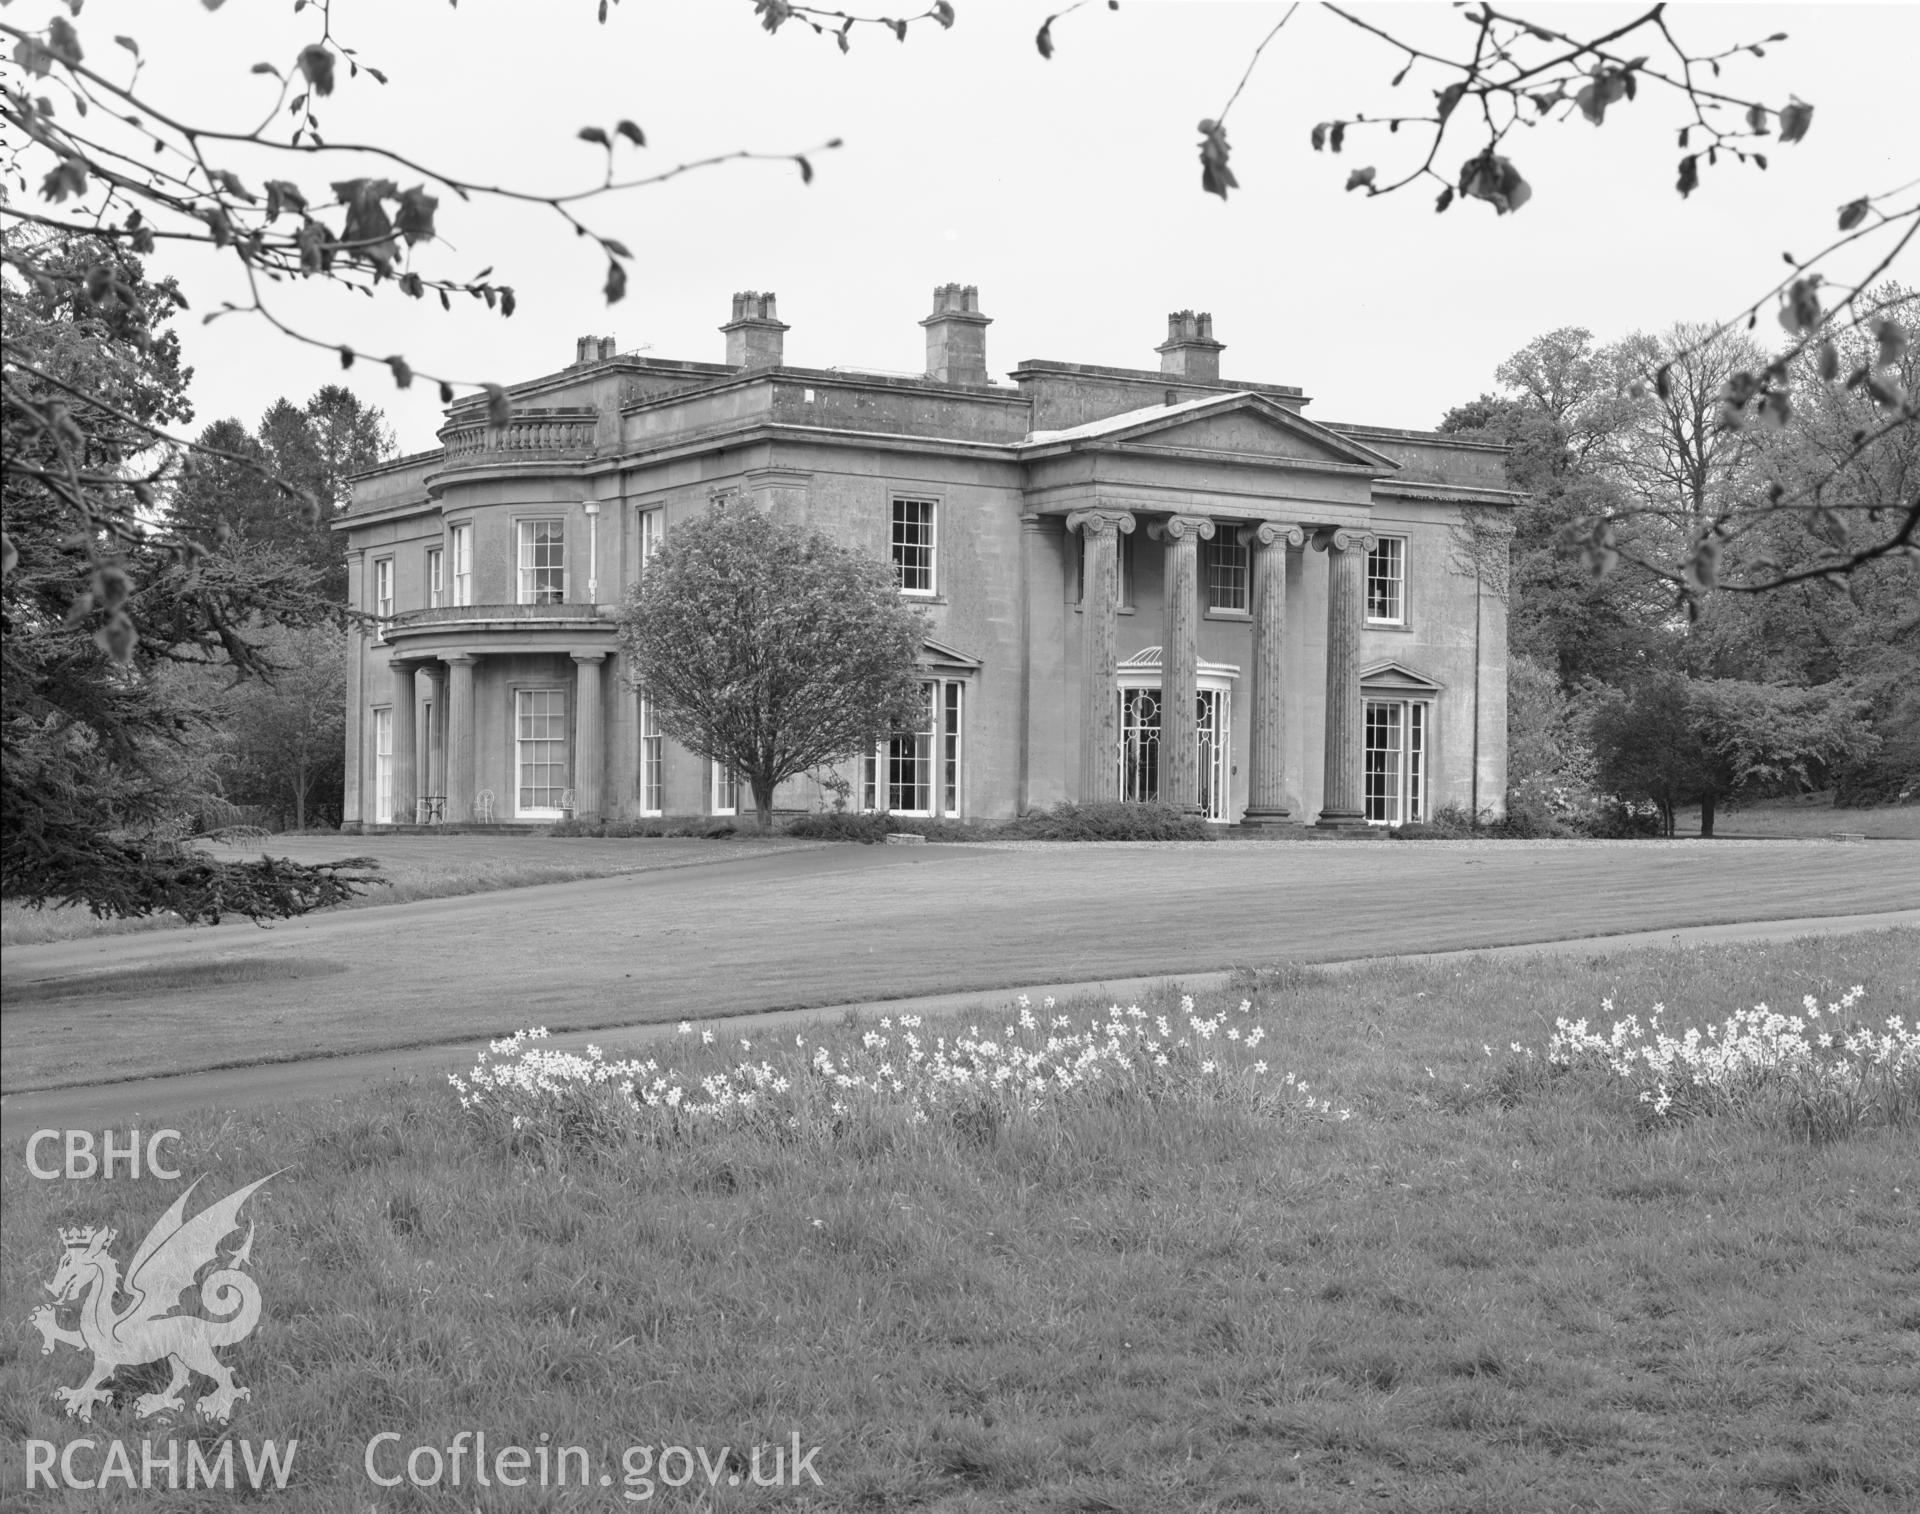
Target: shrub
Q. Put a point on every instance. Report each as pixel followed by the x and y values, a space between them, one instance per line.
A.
pixel 839 825
pixel 1820 1073
pixel 855 1084
pixel 1113 821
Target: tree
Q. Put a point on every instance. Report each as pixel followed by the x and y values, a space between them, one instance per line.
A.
pixel 94 739
pixel 233 483
pixel 286 729
pixel 770 650
pixel 1676 740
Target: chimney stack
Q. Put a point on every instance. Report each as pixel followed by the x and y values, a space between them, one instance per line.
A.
pixel 1190 350
pixel 756 336
pixel 957 336
pixel 591 349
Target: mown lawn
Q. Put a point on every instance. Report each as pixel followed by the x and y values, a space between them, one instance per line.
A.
pixel 1451 1301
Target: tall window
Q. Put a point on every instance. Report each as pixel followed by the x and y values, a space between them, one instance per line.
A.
pixel 1226 567
pixel 1123 566
pixel 950 749
pixel 1387 582
pixel 436 591
pixel 383 587
pixel 543 562
pixel 918 772
pixel 383 766
pixel 913 544
pixel 1140 748
pixel 539 752
pixel 460 539
pixel 649 524
pixel 726 789
pixel 1396 761
pixel 651 772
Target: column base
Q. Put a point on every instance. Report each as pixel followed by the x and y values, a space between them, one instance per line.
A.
pixel 1269 817
pixel 1351 826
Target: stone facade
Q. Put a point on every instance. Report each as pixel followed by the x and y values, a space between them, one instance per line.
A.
pixel 1142 584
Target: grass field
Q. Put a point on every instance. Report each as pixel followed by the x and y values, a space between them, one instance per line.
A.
pixel 1805 816
pixel 1453 1300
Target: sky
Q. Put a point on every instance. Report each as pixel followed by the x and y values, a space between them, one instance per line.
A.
pixel 1067 190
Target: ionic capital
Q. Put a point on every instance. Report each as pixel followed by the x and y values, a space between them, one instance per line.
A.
pixel 1267 532
pixel 1180 527
pixel 461 659
pixel 588 657
pixel 1344 539
pixel 1100 522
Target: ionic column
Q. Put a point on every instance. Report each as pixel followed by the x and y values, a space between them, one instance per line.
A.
pixel 436 737
pixel 1100 715
pixel 1180 659
pixel 406 766
pixel 1343 793
pixel 586 734
pixel 460 737
pixel 1266 746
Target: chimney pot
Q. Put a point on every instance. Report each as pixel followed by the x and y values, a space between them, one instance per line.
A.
pixel 1190 349
pixel 957 336
pixel 756 336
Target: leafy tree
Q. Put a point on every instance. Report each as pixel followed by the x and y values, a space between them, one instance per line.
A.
pixel 96 743
pixel 286 730
pixel 1677 740
pixel 235 483
pixel 771 650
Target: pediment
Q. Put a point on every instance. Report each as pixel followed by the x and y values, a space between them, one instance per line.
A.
pixel 1397 677
pixel 1241 425
pixel 940 655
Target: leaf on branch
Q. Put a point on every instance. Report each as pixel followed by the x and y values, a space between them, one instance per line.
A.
pixel 284 196
pixel 595 135
pixel 402 373
pixel 616 285
pixel 1042 39
pixel 507 303
pixel 1794 121
pixel 1494 179
pixel 446 392
pixel 1757 120
pixel 499 407
pixel 943 13
pixel 129 44
pixel 1444 199
pixel 67 177
pixel 1892 337
pixel 1361 178
pixel 1663 381
pixel 1320 136
pixel 1829 361
pixel 230 182
pixel 631 132
pixel 1216 178
pixel 346 357
pixel 1853 213
pixel 1800 305
pixel 63 41
pixel 415 220
pixel 316 63
pixel 117 638
pixel 773 14
pixel 615 247
pixel 806 168
pixel 266 68
pixel 1689 179
pixel 1337 138
pixel 1450 97
pixel 378 76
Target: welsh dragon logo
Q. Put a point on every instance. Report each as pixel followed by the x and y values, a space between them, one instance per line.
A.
pixel 149 1328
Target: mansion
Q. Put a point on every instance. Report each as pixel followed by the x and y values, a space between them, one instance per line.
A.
pixel 1142 583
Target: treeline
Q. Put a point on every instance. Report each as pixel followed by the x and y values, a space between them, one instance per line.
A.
pixel 1625 701
pixel 270 749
